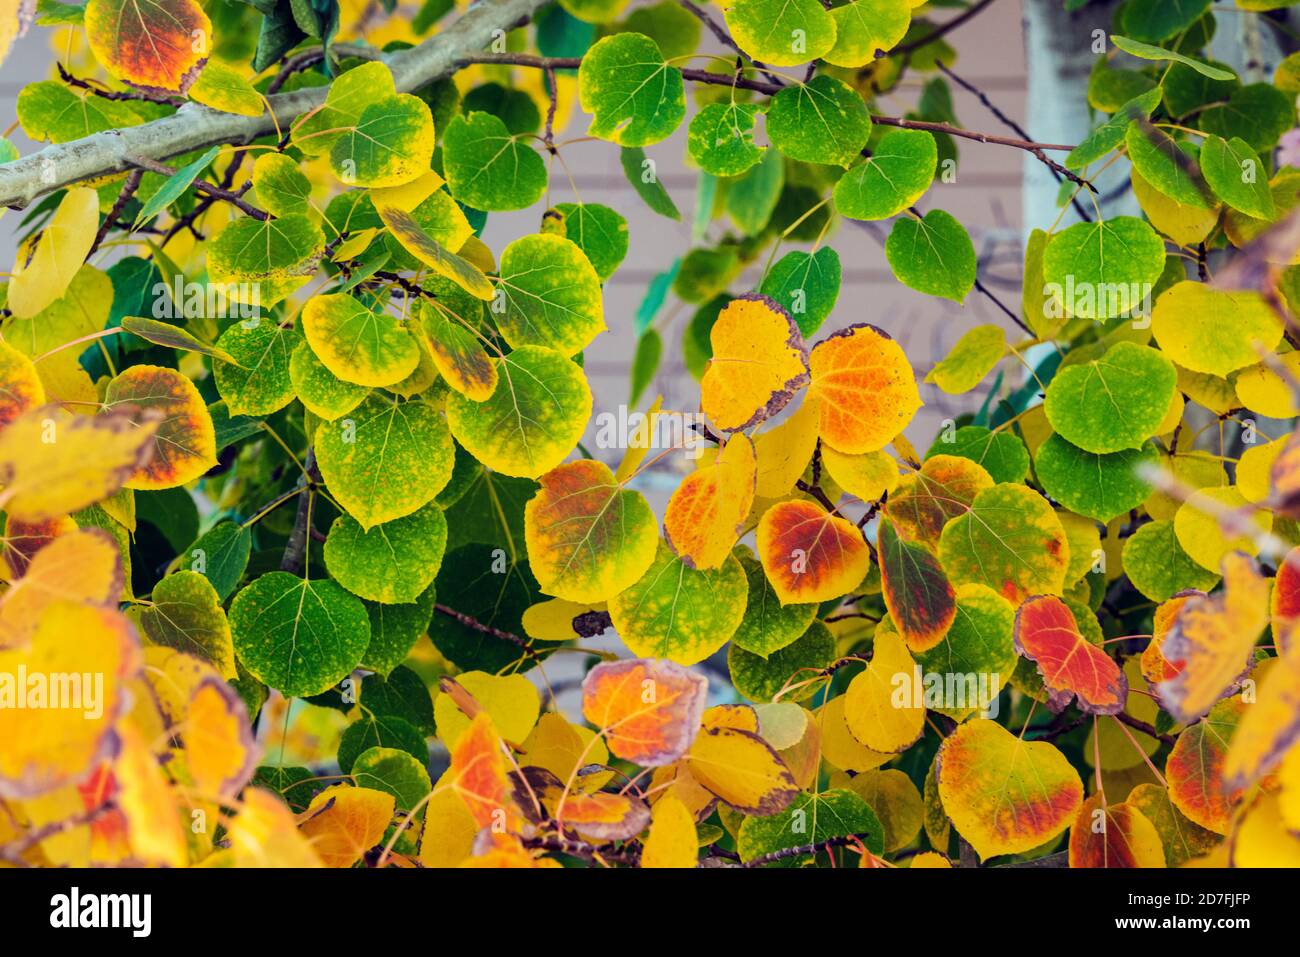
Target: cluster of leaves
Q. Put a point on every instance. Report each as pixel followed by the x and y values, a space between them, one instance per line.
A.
pixel 336 512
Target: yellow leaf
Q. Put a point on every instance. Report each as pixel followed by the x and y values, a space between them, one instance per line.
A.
pixel 707 512
pixel 344 822
pixel 759 363
pixel 61 250
pixel 880 713
pixel 510 700
pixel 82 566
pixel 673 840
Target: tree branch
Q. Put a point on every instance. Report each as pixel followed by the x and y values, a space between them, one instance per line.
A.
pixel 195 127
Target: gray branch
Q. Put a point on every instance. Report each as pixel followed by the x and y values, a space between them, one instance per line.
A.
pixel 195 127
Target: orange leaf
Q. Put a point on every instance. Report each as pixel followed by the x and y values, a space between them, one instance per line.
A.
pixel 648 709
pixel 867 388
pixel 344 822
pixel 24 539
pixel 943 489
pixel 810 555
pixel 1072 667
pixel 1115 835
pixel 155 44
pixel 759 363
pixel 1194 768
pixel 185 445
pixel 478 774
pixel 1212 640
pixel 707 512
pixel 1286 601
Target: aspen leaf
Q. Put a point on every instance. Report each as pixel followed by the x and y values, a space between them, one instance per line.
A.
pixel 635 98
pixel 391 563
pixel 490 168
pixel 864 28
pixel 426 245
pixel 356 344
pixel 1212 640
pixel 806 285
pixel 385 459
pixel 184 442
pixel 943 488
pixel 810 555
pixel 758 363
pixel 1004 794
pixel 552 295
pixel 1268 729
pixel 1104 269
pixel 258 378
pixel 478 775
pixel 721 138
pixel 781 34
pixel 1010 540
pixel 878 713
pixel 1113 403
pixel 829 814
pixel 768 625
pixel 1071 667
pixel 20 386
pixel 920 599
pixel 648 711
pixel 219 749
pixel 499 434
pixel 1181 839
pixel 932 254
pixel 741 769
pixel 1113 835
pixel 896 802
pixel 296 635
pixel 82 566
pixel 1202 529
pixel 970 360
pixel 866 389
pixel 53 746
pixel 389 144
pixel 761 678
pixel 1157 565
pixel 1097 486
pixel 673 841
pixel 223 88
pixel 59 253
pixel 510 700
pixel 1213 331
pixel 707 512
pixel 185 613
pixel 588 537
pixel 458 355
pixel 1194 768
pixel 821 121
pixel 343 823
pixel 52 464
pixel 272 257
pixel 898 173
pixel 838 745
pixel 321 392
pixel 979 643
pixel 681 613
pixel 149 45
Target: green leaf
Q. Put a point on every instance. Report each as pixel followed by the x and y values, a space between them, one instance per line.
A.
pixel 768 626
pixel 1146 51
pixel 678 612
pixel 347 99
pixel 532 420
pixel 390 144
pixel 1155 21
pixel 386 459
pixel 488 168
pixel 781 32
pixel 1259 114
pixel 551 295
pixel 1098 486
pixel 513 107
pixel 980 641
pixel 761 678
pixel 357 344
pixel 600 232
pixel 821 121
pixel 1233 170
pixel 753 196
pixel 1104 269
pixel 279 255
pixel 282 188
pixel 185 613
pixel 806 285
pixel 1165 164
pixel 371 731
pixel 394 772
pixel 1001 454
pixel 865 27
pixel 897 174
pixel 173 337
pixel 176 186
pixel 811 819
pixel 299 636
pixel 321 392
pixel 392 563
pixel 641 173
pixel 933 255
pixel 976 353
pixel 1110 135
pixel 1113 403
pixel 48 110
pixel 645 363
pixel 1157 565
pixel 1009 540
pixel 221 555
pixel 672 27
pixel 721 138
pixel 635 98
pixel 257 382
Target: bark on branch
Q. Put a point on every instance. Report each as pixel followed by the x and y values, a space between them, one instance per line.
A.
pixel 194 127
